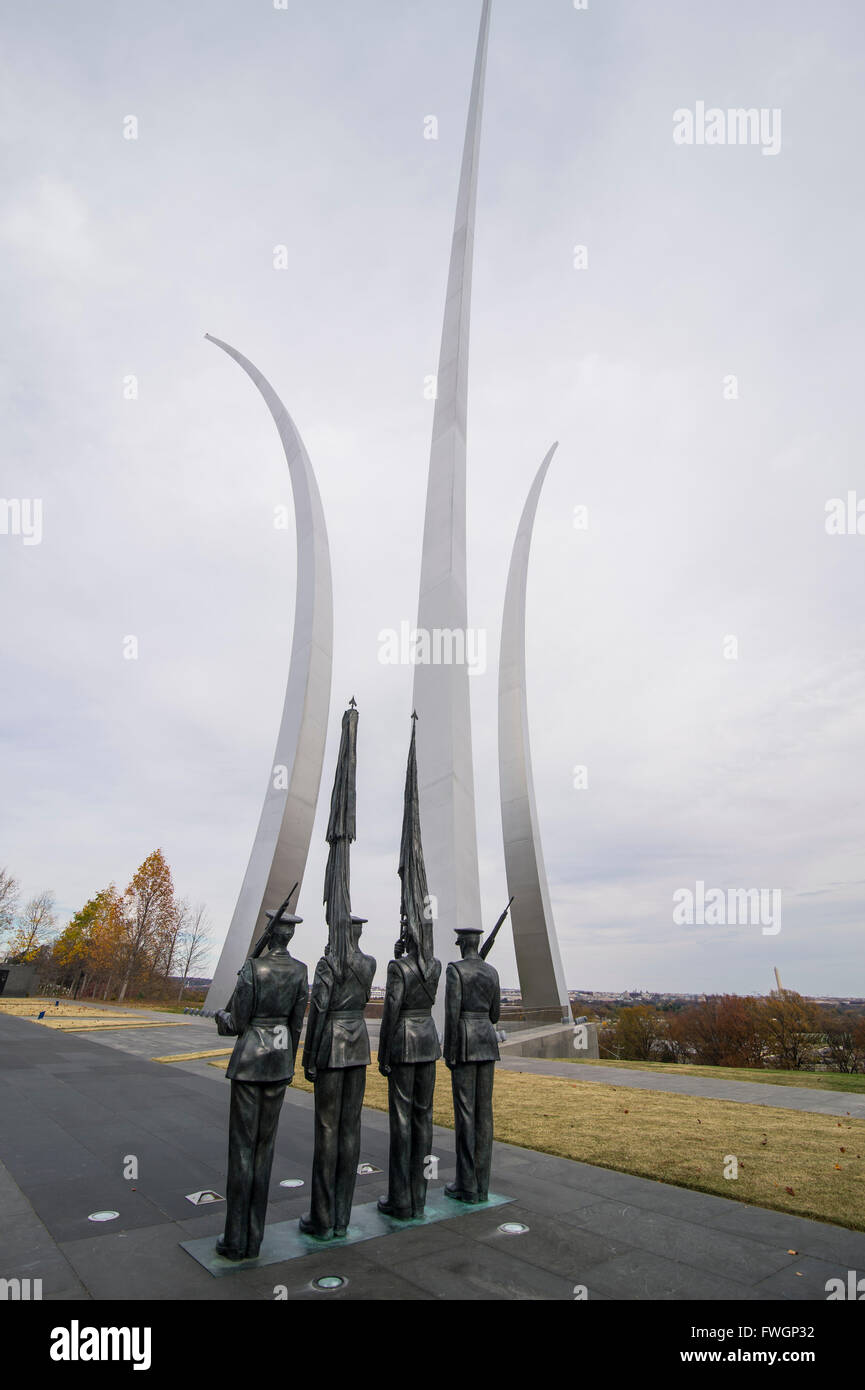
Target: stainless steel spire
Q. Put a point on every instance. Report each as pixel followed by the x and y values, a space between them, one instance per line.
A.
pixel 441 690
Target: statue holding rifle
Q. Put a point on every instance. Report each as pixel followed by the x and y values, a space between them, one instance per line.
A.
pixel 471 1050
pixel 265 1014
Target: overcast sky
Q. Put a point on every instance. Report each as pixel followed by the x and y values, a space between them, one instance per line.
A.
pixel 304 127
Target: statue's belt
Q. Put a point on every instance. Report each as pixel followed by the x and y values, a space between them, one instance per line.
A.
pixel 416 1013
pixel 345 1013
pixel 475 1013
pixel 268 1022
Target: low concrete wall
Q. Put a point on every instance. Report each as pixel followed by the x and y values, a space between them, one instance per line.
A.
pixel 552 1042
pixel 584 1044
pixel 517 1020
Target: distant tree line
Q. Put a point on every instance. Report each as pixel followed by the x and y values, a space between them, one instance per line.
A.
pixel 119 945
pixel 783 1031
pixel 23 929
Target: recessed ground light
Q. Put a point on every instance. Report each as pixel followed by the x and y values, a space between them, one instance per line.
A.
pixel 363 1168
pixel 328 1282
pixel 513 1228
pixel 203 1199
pixel 103 1216
pixel 292 1182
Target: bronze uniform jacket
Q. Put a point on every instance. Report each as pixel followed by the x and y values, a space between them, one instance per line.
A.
pixel 332 1040
pixel 472 1007
pixel 403 1038
pixel 267 1009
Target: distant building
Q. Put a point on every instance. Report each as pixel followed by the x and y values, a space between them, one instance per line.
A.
pixel 18 981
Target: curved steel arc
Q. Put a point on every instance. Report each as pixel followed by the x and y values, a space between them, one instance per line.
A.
pixel 282 840
pixel 539 961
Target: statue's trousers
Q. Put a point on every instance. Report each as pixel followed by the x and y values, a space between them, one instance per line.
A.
pixel 410 1099
pixel 254 1117
pixel 338 1102
pixel 473 1123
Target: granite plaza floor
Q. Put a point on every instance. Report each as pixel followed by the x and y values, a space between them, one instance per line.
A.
pixel 74 1106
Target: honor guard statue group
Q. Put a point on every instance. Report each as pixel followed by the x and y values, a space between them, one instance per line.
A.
pixel 266 1013
pixel 270 999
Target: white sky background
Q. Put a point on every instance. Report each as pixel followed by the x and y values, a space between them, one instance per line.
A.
pixel 305 127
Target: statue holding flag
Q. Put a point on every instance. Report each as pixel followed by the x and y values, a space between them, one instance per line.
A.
pixel 336 1050
pixel 408 1046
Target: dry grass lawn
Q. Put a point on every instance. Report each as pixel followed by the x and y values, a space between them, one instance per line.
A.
pixel 93 1025
pixel 813 1080
pixel 98 1006
pixel 80 1018
pixel 789 1160
pixel 29 1008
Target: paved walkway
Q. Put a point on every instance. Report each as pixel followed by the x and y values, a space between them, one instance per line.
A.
pixel 75 1107
pixel 750 1092
pixel 198 1035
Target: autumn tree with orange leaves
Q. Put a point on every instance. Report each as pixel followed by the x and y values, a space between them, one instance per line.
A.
pixel 90 946
pixel 149 920
pixel 135 940
pixel 724 1030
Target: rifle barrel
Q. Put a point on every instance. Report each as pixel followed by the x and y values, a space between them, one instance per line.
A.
pixel 265 935
pixel 490 941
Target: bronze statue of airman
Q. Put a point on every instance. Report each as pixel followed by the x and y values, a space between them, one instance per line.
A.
pixel 408 1049
pixel 335 1058
pixel 265 1012
pixel 471 1050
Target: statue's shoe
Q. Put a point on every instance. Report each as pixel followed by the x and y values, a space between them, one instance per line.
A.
pixel 340 1232
pixel 457 1194
pixel 386 1206
pixel 309 1229
pixel 227 1253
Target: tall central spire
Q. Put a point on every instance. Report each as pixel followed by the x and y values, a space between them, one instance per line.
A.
pixel 441 687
